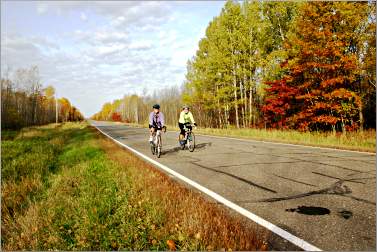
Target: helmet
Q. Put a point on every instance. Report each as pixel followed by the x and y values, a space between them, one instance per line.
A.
pixel 185 106
pixel 156 106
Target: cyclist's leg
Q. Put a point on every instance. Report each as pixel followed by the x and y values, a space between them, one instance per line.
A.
pixel 182 133
pixel 151 130
pixel 157 131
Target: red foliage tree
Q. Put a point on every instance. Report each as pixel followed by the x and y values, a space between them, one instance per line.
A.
pixel 279 104
pixel 318 89
pixel 116 117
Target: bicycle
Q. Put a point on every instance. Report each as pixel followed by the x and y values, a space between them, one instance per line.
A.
pixel 156 145
pixel 189 138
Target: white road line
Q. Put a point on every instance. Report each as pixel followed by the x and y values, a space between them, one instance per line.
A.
pixel 275 229
pixel 287 144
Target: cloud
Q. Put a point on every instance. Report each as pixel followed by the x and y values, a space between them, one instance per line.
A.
pixel 120 13
pixel 123 47
pixel 83 16
pixel 140 45
pixel 41 9
pixel 101 36
pixel 109 50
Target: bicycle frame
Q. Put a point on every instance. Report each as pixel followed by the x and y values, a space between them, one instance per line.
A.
pixel 189 138
pixel 187 133
pixel 157 142
pixel 155 134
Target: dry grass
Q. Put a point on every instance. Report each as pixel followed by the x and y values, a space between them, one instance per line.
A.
pixel 188 213
pixel 67 188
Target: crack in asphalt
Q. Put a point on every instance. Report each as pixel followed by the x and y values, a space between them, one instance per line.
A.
pixel 316 162
pixel 287 162
pixel 348 180
pixel 294 180
pixel 337 188
pixel 236 177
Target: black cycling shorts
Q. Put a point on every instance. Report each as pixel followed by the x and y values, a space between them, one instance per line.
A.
pixel 155 127
pixel 181 127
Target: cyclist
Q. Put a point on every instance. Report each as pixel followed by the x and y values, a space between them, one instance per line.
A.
pixel 156 121
pixel 185 118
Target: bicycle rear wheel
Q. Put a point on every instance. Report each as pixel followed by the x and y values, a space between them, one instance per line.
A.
pixel 191 142
pixel 159 146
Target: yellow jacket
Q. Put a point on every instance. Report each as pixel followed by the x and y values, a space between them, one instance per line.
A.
pixel 186 118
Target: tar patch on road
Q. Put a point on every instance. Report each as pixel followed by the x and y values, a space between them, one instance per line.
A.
pixel 312 210
pixel 345 214
pixel 309 210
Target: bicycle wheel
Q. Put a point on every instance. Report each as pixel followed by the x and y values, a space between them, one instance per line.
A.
pixel 159 146
pixel 152 149
pixel 191 142
pixel 153 146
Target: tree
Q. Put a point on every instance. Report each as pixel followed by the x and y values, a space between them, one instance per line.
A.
pixel 322 69
pixel 24 102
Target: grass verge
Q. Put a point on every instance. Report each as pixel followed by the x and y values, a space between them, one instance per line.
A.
pixel 68 188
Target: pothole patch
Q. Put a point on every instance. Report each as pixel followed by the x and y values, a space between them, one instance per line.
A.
pixel 309 210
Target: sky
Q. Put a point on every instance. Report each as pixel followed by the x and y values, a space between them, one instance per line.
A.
pixel 95 52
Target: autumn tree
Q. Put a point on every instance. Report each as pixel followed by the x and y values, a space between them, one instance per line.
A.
pixel 301 65
pixel 322 68
pixel 24 101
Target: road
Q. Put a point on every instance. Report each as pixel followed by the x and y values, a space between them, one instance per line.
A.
pixel 326 197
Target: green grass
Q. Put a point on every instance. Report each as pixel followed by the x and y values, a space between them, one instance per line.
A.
pixel 86 204
pixel 67 188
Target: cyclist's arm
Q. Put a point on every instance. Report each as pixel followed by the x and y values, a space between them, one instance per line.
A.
pixel 192 118
pixel 151 118
pixel 181 117
pixel 162 119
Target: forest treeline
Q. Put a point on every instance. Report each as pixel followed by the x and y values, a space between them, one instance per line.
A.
pixel 297 65
pixel 25 102
pixel 135 109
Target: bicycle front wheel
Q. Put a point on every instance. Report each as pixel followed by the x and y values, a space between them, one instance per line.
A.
pixel 181 140
pixel 152 149
pixel 159 146
pixel 191 142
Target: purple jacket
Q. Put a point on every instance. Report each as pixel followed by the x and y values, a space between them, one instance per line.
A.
pixel 156 119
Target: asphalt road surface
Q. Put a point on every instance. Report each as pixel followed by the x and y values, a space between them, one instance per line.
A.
pixel 324 196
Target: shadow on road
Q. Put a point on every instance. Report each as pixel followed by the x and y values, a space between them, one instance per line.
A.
pixel 177 149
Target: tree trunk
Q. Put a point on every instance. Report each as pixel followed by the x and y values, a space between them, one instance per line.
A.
pixel 361 117
pixel 245 101
pixel 227 115
pixel 242 107
pixel 250 105
pixel 218 106
pixel 235 97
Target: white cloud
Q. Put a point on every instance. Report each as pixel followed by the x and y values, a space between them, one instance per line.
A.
pixel 140 45
pixel 83 16
pixel 121 13
pixel 106 50
pixel 135 46
pixel 41 9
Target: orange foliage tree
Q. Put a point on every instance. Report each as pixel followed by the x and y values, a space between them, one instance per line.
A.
pixel 322 71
